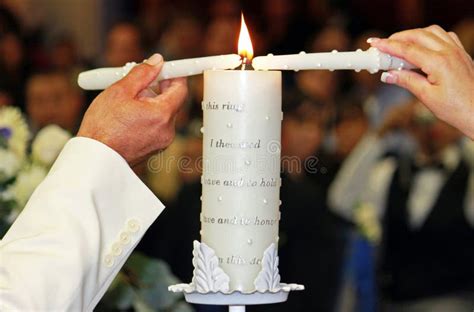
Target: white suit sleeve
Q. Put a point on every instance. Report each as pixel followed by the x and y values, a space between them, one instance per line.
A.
pixel 76 231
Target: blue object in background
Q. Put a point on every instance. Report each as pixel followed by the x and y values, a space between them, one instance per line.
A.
pixel 360 273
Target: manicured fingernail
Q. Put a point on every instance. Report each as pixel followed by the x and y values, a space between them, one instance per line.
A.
pixel 388 77
pixel 373 40
pixel 154 60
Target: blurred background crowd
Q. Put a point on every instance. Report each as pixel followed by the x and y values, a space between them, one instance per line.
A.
pixel 378 210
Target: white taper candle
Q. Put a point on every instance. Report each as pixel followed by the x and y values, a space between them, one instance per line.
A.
pixel 371 60
pixel 101 78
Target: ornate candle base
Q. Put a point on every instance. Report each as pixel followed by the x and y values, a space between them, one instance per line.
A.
pixel 210 284
pixel 236 297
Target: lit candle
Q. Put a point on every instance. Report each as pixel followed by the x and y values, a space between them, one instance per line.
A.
pixel 101 78
pixel 241 173
pixel 371 60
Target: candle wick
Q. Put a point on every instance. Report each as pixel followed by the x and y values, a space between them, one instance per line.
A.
pixel 244 63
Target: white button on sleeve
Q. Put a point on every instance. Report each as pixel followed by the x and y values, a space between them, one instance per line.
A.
pixel 117 249
pixel 124 238
pixel 133 225
pixel 109 260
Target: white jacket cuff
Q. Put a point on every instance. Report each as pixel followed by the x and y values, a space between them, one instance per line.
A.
pixel 76 231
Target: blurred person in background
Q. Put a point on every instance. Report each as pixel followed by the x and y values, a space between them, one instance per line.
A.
pixel 5 98
pixel 224 8
pixel 320 12
pixel 13 66
pixel 63 57
pixel 124 43
pixel 182 38
pixel 349 126
pixel 323 85
pixel 221 36
pixel 152 17
pixel 396 13
pixel 51 98
pixel 8 20
pixel 10 94
pixel 285 30
pixel 424 203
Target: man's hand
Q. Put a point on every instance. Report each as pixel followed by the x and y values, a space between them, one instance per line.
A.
pixel 132 120
pixel 448 88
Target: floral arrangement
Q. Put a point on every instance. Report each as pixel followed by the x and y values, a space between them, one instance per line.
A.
pixel 143 282
pixel 20 171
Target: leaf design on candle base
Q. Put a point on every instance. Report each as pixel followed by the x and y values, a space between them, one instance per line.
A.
pixel 207 275
pixel 269 277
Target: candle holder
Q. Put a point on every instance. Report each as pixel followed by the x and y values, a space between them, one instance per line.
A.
pixel 210 284
pixel 236 300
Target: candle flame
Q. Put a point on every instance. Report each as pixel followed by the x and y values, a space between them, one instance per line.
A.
pixel 245 43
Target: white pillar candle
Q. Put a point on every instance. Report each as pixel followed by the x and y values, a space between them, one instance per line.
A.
pixel 371 60
pixel 241 173
pixel 102 78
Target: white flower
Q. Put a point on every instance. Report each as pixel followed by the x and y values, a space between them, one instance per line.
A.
pixel 26 182
pixel 11 118
pixel 368 223
pixel 48 144
pixel 9 164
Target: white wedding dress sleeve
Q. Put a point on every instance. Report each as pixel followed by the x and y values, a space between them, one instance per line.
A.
pixel 76 231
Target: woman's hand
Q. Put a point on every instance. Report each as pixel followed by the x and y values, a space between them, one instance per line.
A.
pixel 448 87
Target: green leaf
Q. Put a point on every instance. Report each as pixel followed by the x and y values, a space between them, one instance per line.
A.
pixel 158 297
pixel 148 270
pixel 120 295
pixel 143 284
pixel 141 306
pixel 152 277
